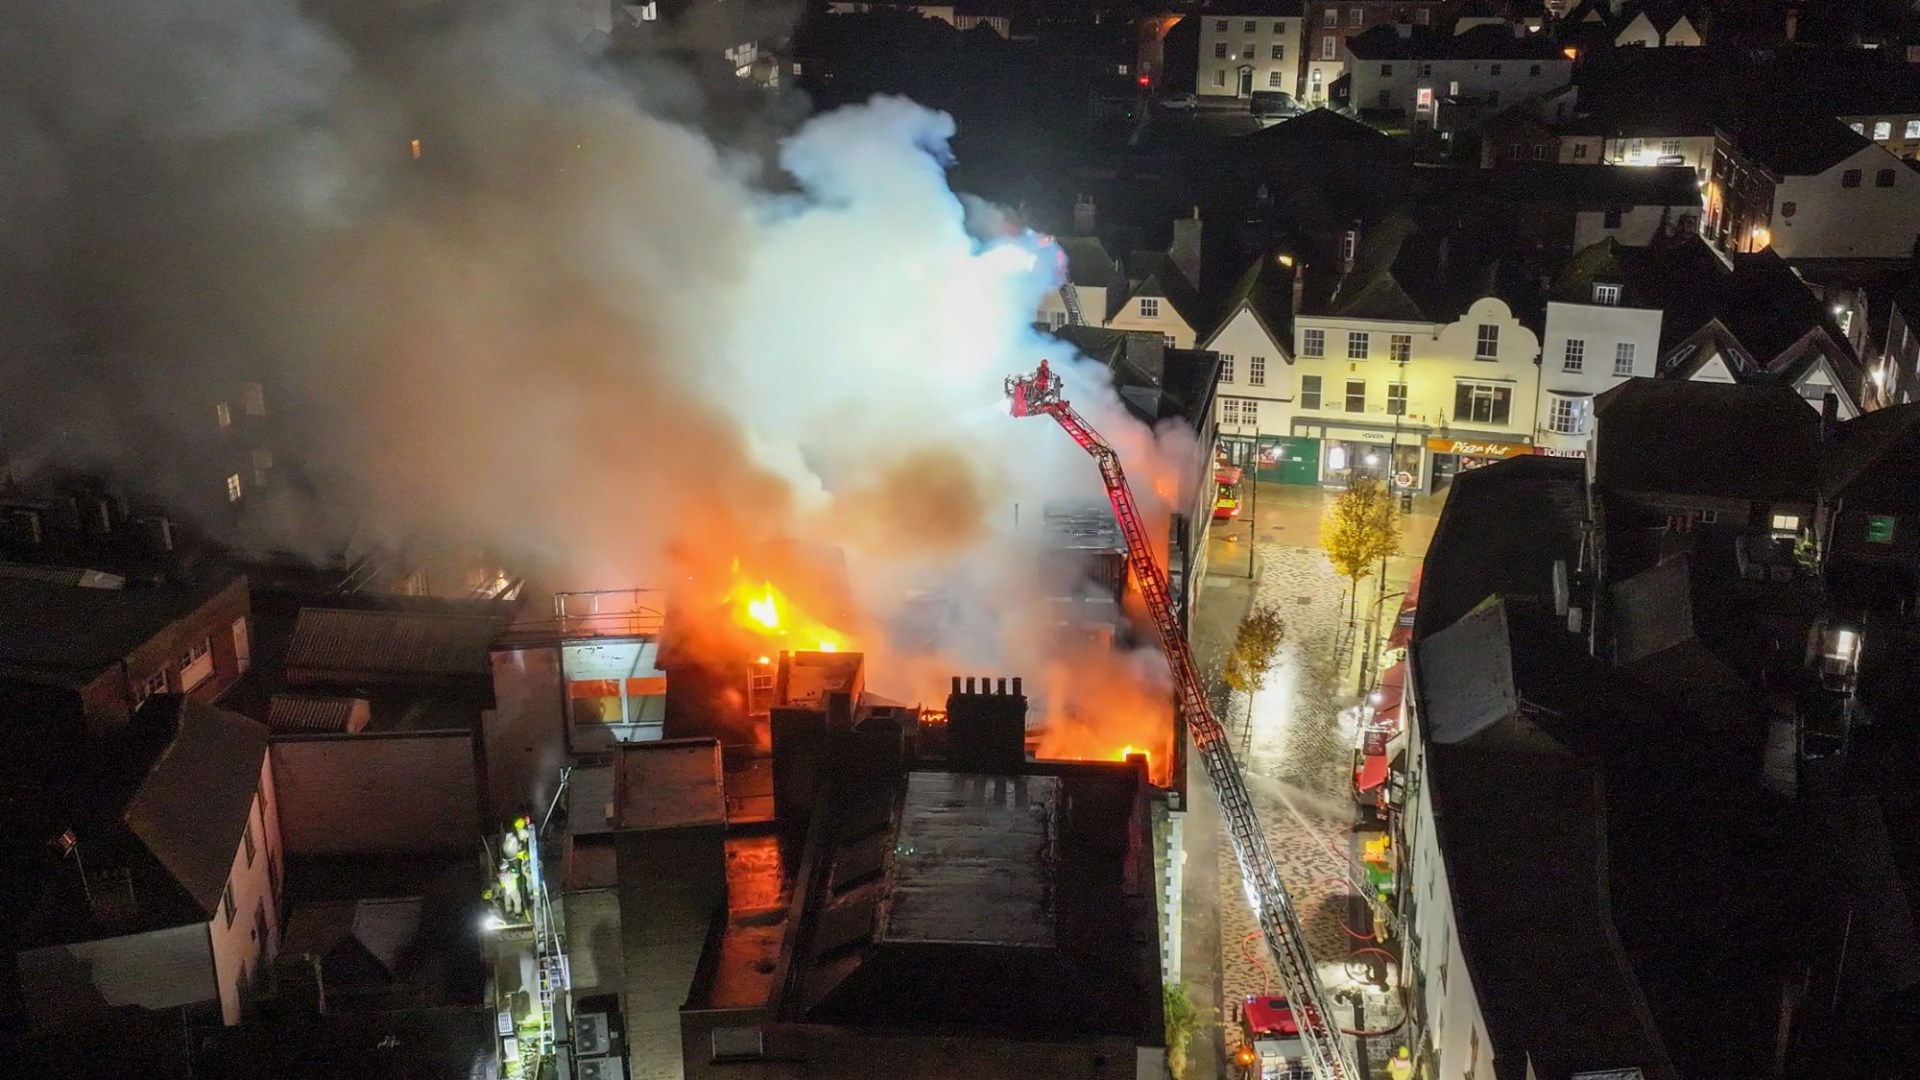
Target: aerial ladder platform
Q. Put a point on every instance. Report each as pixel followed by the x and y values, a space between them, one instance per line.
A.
pixel 1040 394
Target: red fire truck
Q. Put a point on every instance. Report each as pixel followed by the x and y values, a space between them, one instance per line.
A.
pixel 1226 492
pixel 1270 1043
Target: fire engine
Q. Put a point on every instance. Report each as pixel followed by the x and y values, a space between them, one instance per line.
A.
pixel 1270 1044
pixel 1226 492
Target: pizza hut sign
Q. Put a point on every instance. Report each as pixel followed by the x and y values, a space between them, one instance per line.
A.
pixel 1477 449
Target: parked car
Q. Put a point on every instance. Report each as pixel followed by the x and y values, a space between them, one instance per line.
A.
pixel 1274 104
pixel 1180 102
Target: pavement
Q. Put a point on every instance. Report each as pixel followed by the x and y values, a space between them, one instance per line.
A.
pixel 1298 732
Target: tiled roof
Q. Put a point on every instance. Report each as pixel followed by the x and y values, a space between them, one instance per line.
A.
pixel 1427 43
pixel 197 798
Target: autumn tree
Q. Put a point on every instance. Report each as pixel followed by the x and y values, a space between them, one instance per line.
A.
pixel 1256 645
pixel 1359 530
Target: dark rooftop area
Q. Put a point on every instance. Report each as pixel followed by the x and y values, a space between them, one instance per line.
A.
pixel 1724 440
pixel 67 634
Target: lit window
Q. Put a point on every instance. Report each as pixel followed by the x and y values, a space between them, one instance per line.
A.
pixel 1566 417
pixel 1400 348
pixel 223 414
pixel 1880 529
pixel 1606 295
pixel 1487 346
pixel 1349 244
pixel 1330 17
pixel 1576 355
pixel 1356 395
pixel 1850 178
pixel 1913 129
pixel 1623 360
pixel 1670 147
pixel 1882 130
pixel 1786 524
pixel 1482 403
pixel 1858 128
pixel 233 488
pixel 1257 371
pixel 649 11
pixel 1883 178
pixel 1313 342
pixel 1149 308
pixel 1357 345
pixel 1310 391
pixel 1397 399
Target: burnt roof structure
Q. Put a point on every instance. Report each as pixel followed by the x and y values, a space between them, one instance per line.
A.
pixel 916 897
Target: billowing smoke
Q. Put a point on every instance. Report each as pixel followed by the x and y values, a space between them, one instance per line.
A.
pixel 513 292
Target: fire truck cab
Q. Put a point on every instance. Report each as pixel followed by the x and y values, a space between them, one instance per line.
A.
pixel 1226 492
pixel 1271 1047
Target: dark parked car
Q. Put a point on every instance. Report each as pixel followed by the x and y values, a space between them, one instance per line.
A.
pixel 1274 104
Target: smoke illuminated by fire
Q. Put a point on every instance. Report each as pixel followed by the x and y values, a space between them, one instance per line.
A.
pixel 507 293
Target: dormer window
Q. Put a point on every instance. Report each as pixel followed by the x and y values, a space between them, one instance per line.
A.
pixel 1149 308
pixel 649 11
pixel 1606 295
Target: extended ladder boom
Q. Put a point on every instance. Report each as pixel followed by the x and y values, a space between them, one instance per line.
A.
pixel 1040 393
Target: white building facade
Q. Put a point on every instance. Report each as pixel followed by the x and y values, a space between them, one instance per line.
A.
pixel 1407 74
pixel 1588 349
pixel 1240 54
pixel 1866 206
pixel 1415 402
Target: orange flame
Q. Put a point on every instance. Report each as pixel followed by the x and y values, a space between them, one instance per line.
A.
pixel 769 613
pixel 1129 750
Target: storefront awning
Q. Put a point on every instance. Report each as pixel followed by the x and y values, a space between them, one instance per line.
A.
pixel 1373 772
pixel 1409 604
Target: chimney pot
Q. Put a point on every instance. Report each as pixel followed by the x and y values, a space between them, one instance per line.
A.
pixel 956 684
pixel 1002 691
pixel 969 684
pixel 1017 692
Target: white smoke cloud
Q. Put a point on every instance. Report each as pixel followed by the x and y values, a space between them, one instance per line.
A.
pixel 574 328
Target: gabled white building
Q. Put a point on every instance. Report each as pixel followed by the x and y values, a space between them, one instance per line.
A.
pixel 1149 291
pixel 170 893
pixel 1249 45
pixel 1257 387
pixel 1391 393
pixel 1598 334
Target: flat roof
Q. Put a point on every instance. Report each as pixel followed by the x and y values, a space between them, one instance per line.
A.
pixel 354 643
pixel 974 861
pixel 674 784
pixel 67 634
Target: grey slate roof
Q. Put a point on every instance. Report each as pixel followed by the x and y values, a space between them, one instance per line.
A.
pixel 301 712
pixel 1467 675
pixel 1726 440
pixel 197 798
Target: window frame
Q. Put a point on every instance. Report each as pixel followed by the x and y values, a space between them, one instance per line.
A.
pixel 1566 416
pixel 1573 355
pixel 1396 399
pixel 1359 345
pixel 1310 392
pixel 1256 371
pixel 1486 342
pixel 1624 354
pixel 1219 50
pixel 1606 294
pixel 1313 341
pixel 1883 178
pixel 1498 397
pixel 1851 178
pixel 1226 368
pixel 1355 401
pixel 1149 307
